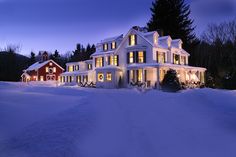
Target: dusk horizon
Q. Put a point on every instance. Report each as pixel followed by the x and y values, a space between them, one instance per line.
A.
pixel 56 25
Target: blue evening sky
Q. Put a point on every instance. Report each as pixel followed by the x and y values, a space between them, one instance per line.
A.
pixel 60 24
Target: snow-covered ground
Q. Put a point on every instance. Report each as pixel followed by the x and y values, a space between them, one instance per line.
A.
pixel 49 121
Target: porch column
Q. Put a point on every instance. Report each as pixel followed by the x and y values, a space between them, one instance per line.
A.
pixel 158 78
pixel 143 75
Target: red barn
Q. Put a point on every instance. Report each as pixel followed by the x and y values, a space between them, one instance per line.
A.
pixel 45 70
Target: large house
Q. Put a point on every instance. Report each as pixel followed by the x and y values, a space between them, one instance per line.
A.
pixel 139 57
pixel 43 70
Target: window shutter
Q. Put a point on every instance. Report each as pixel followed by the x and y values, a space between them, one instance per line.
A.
pixel 73 68
pixel 164 57
pixel 95 62
pixel 144 56
pixel 128 76
pixel 130 40
pixel 128 58
pixel 136 56
pixel 117 60
pixel 103 61
pixel 136 75
pixel 135 39
pixel 145 75
pixel 157 57
pixel 115 45
pixel 109 61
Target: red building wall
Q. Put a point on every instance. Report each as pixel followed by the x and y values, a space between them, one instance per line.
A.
pixel 42 71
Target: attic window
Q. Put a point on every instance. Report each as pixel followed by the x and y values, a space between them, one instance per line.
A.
pixel 113 45
pixel 132 40
pixel 50 64
pixel 105 47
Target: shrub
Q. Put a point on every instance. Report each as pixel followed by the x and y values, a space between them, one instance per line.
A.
pixel 171 82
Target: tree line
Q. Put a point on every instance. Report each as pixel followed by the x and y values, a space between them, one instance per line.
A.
pixel 12 63
pixel 214 50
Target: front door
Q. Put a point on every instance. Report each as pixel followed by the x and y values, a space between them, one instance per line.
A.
pixel 50 77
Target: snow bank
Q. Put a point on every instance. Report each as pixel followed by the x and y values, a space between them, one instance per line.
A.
pixel 47 121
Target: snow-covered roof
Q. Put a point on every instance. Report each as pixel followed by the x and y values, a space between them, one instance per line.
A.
pixel 111 39
pixel 38 65
pixel 72 63
pixel 97 53
pixel 74 73
pixel 110 67
pixel 149 33
pixel 25 74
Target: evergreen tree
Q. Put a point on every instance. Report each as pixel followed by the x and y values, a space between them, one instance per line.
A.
pixel 171 82
pixel 32 58
pixel 172 18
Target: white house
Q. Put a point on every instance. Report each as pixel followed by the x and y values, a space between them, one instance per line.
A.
pixel 138 57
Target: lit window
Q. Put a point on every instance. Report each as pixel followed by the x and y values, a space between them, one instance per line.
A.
pixel 54 69
pixel 111 60
pixel 89 66
pixel 140 75
pixel 99 62
pixel 155 39
pixel 115 60
pixel 78 78
pixel 109 76
pixel 113 45
pixel 176 59
pixel 183 60
pixel 100 77
pixel 41 78
pixel 70 68
pixel 131 57
pixel 50 64
pixel 132 40
pixel 161 57
pixel 47 69
pixel 140 57
pixel 105 47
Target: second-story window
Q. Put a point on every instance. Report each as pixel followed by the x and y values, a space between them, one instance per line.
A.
pixel 183 60
pixel 113 45
pixel 161 57
pixel 89 66
pixel 116 60
pixel 176 59
pixel 99 62
pixel 47 69
pixel 140 57
pixel 132 40
pixel 105 47
pixel 131 57
pixel 70 68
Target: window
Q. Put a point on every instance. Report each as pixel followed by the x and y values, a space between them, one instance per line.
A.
pixel 176 59
pixel 78 79
pixel 89 66
pixel 100 77
pixel 131 57
pixel 109 76
pixel 132 40
pixel 115 60
pixel 161 57
pixel 50 64
pixel 113 45
pixel 140 75
pixel 54 69
pixel 140 57
pixel 41 78
pixel 183 60
pixel 155 39
pixel 99 62
pixel 76 67
pixel 105 47
pixel 111 61
pixel 47 69
pixel 70 68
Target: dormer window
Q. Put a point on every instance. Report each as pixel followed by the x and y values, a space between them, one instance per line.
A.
pixel 113 45
pixel 105 47
pixel 155 39
pixel 132 40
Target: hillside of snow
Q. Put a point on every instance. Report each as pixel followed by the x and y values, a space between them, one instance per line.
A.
pixel 48 121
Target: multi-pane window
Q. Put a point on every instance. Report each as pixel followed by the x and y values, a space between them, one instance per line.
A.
pixel 70 68
pixel 109 76
pixel 113 45
pixel 140 75
pixel 131 57
pixel 133 40
pixel 54 69
pixel 47 69
pixel 100 77
pixel 161 57
pixel 176 59
pixel 99 62
pixel 105 47
pixel 140 57
pixel 115 60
